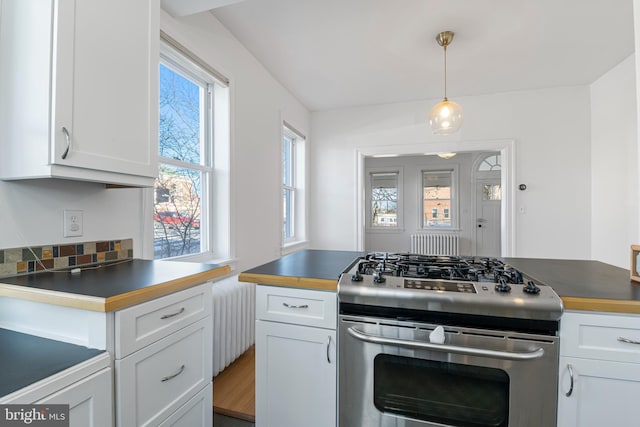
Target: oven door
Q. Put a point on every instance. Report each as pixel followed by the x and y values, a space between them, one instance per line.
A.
pixel 390 374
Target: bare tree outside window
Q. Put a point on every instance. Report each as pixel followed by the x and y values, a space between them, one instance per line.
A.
pixel 384 199
pixel 178 188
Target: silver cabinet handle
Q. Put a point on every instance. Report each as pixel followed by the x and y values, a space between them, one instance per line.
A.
pixel 67 138
pixel 328 345
pixel 167 316
pixel 295 306
pixel 472 351
pixel 570 368
pixel 170 377
pixel 628 340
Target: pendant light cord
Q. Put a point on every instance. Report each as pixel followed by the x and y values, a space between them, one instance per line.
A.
pixel 445 72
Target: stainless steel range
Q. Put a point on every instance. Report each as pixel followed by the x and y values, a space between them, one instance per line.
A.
pixel 446 341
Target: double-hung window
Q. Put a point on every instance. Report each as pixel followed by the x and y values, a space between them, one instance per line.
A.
pixel 385 196
pixel 293 183
pixel 439 199
pixel 193 104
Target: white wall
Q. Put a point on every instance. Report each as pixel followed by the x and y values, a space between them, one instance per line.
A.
pixel 552 155
pixel 31 212
pixel 614 165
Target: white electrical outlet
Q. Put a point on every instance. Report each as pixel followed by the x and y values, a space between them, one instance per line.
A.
pixel 72 223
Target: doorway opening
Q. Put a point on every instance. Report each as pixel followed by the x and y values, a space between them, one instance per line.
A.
pixel 497 180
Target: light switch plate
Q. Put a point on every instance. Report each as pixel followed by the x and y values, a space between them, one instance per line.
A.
pixel 72 226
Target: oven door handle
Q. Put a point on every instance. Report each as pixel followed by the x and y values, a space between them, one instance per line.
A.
pixel 375 339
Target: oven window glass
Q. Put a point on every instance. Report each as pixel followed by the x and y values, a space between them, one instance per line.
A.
pixel 441 392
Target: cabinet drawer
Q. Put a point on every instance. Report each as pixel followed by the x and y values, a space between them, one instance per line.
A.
pixel 154 382
pixel 600 336
pixel 143 324
pixel 297 306
pixel 195 413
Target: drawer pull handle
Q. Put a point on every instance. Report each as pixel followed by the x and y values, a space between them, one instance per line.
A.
pixel 67 138
pixel 627 340
pixel 295 306
pixel 328 345
pixel 170 377
pixel 167 316
pixel 570 368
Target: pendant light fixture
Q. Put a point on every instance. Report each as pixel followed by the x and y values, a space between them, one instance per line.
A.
pixel 445 117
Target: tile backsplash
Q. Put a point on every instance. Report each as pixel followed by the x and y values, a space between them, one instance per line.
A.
pixel 49 257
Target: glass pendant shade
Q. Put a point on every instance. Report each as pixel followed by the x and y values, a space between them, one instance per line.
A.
pixel 445 117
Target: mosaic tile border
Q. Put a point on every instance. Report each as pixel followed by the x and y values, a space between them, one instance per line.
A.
pixel 26 260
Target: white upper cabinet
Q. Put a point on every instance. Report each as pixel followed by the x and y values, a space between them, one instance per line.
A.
pixel 79 83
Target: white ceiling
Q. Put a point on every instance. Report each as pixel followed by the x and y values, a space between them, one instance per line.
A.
pixel 341 53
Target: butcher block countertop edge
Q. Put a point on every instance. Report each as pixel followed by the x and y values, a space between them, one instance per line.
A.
pixel 154 284
pixel 288 281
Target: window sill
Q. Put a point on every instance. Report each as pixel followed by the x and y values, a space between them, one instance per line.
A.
pixel 291 247
pixel 385 230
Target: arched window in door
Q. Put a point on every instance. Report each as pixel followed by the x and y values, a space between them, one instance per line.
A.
pixel 490 163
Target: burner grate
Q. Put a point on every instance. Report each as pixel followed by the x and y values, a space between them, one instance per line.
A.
pixel 473 269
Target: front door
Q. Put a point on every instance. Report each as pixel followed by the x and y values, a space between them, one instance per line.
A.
pixel 488 206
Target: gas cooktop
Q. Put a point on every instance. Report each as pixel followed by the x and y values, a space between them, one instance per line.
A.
pixel 448 284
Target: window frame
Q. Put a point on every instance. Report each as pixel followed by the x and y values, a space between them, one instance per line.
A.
pixel 399 227
pixel 296 187
pixel 214 154
pixel 453 212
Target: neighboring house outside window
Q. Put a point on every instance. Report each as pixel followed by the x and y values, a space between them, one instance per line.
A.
pixel 438 196
pixel 185 221
pixel 293 186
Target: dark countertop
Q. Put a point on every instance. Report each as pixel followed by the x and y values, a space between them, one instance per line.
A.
pixel 584 285
pixel 26 359
pixel 110 286
pixel 310 269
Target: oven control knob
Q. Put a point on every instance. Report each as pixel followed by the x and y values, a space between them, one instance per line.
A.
pixel 503 286
pixel 357 277
pixel 378 277
pixel 531 288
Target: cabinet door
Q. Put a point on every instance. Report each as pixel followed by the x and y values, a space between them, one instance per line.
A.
pixel 604 393
pixel 90 400
pixel 105 90
pixel 155 381
pixel 295 375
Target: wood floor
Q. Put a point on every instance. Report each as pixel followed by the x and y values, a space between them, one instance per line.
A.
pixel 234 388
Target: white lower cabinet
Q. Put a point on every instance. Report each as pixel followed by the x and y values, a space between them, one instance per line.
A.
pixel 163 352
pixel 295 364
pixel 90 400
pixel 599 381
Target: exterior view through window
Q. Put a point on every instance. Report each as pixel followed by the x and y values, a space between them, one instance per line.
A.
pixel 436 191
pixel 185 160
pixel 384 199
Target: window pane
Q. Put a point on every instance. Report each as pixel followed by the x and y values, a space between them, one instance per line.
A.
pixel 492 192
pixel 384 199
pixel 181 110
pixel 287 161
pixel 490 163
pixel 436 190
pixel 288 229
pixel 176 225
